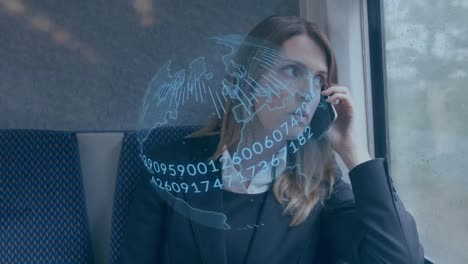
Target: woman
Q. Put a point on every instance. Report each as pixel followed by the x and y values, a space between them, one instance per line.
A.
pixel 286 203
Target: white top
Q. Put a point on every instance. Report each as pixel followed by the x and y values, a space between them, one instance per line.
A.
pixel 233 182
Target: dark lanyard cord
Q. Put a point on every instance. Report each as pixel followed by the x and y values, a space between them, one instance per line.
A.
pixel 260 212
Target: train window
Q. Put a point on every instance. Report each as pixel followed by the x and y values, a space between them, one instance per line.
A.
pixel 345 24
pixel 426 71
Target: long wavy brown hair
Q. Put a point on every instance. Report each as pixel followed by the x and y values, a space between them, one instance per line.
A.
pixel 298 193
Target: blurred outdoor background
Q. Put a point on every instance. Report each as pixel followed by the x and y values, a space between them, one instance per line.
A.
pixel 427 75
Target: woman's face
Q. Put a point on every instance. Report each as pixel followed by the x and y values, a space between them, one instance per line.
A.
pixel 301 69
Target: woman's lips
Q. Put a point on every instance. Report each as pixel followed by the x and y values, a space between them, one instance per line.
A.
pixel 300 118
pixel 300 114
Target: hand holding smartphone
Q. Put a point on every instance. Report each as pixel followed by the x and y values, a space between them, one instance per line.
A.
pixel 331 110
pixel 323 118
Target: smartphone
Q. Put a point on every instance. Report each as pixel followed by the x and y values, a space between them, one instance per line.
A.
pixel 323 118
pixel 331 112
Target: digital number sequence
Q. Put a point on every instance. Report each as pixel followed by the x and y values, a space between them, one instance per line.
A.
pixel 179 169
pixel 245 154
pixel 277 135
pixel 202 186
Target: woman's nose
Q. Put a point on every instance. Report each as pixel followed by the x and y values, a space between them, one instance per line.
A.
pixel 307 88
pixel 305 91
pixel 303 96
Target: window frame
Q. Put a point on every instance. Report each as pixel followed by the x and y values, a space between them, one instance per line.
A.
pixel 350 23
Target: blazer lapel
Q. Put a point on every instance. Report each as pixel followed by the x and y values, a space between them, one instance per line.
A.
pixel 208 226
pixel 206 215
pixel 273 229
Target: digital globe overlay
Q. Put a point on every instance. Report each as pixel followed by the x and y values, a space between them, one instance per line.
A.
pixel 227 121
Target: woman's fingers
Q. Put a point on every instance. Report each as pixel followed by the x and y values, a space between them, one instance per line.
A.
pixel 335 89
pixel 336 93
pixel 337 96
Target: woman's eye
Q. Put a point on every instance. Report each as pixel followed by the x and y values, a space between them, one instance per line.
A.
pixel 291 71
pixel 319 81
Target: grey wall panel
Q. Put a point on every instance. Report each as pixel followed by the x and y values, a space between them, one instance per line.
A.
pixel 99 157
pixel 84 65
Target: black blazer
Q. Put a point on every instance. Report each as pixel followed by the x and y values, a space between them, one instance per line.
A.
pixel 365 224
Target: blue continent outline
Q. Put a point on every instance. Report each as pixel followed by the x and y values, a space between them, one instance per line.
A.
pixel 171 91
